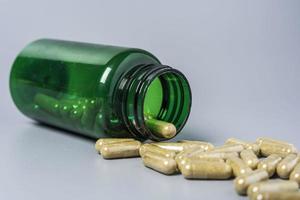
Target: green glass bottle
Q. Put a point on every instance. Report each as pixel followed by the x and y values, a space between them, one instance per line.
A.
pixel 98 90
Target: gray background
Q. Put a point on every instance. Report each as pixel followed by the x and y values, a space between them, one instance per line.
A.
pixel 241 58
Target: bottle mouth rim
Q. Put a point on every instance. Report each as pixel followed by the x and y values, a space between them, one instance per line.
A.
pixel 136 86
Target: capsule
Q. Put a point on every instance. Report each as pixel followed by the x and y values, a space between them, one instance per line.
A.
pixel 211 155
pixel 229 148
pixel 295 175
pixel 249 157
pixel 125 149
pixel 206 146
pixel 269 164
pixel 260 140
pixel 239 167
pixel 286 165
pixel 161 128
pixel 272 186
pixel 47 103
pixel 271 146
pixel 172 146
pixel 241 183
pixel 276 196
pixel 160 163
pixel 203 169
pixel 191 154
pixel 188 153
pixel 152 148
pixel 186 159
pixel 102 141
pixel 176 146
pixel 247 145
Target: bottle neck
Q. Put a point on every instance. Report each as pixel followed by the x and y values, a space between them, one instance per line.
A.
pixel 175 102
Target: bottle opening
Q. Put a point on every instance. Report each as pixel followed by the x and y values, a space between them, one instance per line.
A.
pixel 156 92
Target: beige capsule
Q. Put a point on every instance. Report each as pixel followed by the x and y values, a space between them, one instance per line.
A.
pixel 241 183
pixel 120 150
pixel 175 146
pixel 211 155
pixel 286 165
pixel 269 164
pixel 153 148
pixel 247 145
pixel 272 186
pixel 159 163
pixel 295 175
pixel 276 196
pixel 161 128
pixel 188 153
pixel 204 145
pixel 270 146
pixel 260 140
pixel 229 148
pixel 239 167
pixel 203 169
pixel 100 142
pixel 249 157
pixel 185 159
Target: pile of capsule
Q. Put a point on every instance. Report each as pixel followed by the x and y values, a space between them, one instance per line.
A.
pixel 252 164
